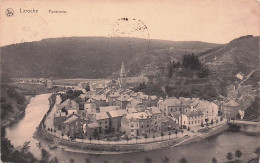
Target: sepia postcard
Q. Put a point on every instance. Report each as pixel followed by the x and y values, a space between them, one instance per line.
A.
pixel 130 81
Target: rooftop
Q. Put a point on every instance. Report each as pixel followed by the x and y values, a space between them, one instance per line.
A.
pixel 108 108
pixel 117 113
pixel 101 115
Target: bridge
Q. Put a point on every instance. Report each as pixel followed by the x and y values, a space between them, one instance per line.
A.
pixel 241 122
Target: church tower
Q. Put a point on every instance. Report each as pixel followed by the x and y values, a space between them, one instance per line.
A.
pixel 122 79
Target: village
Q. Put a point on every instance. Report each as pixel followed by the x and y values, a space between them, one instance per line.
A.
pixel 112 111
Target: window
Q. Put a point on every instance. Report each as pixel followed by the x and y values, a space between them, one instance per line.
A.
pixel 132 130
pixel 100 122
pixel 105 122
pixel 105 126
pixel 142 126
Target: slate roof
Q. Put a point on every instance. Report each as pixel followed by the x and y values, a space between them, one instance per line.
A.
pixel 154 110
pixel 108 108
pixel 193 113
pixel 131 110
pixel 117 113
pixel 102 115
pixel 172 102
pixel 72 119
pixel 124 97
pixel 139 115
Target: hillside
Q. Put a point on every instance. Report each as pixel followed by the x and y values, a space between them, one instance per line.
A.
pixel 91 57
pixel 239 55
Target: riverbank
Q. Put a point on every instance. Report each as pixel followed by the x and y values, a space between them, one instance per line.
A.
pixel 13 105
pixel 119 147
pixel 17 115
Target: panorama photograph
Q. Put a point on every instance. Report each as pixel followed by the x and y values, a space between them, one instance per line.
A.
pixel 128 81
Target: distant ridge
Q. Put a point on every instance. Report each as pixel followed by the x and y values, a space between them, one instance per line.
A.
pixel 91 57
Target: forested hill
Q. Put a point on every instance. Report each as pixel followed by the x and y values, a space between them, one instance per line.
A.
pixel 91 57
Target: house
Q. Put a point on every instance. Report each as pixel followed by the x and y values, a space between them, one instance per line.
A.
pixel 112 98
pixel 49 84
pixel 67 104
pixel 73 126
pixel 103 121
pixel 209 110
pixel 122 101
pixel 169 105
pixel 240 75
pixel 100 100
pixel 136 124
pixel 156 115
pixel 231 109
pixel 115 117
pixel 176 116
pixel 134 103
pixel 92 130
pixel 191 119
pixel 58 119
pixel 131 110
pixel 106 109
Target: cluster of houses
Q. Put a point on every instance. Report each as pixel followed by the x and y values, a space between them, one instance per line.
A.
pixel 115 110
pixel 131 113
pixel 237 101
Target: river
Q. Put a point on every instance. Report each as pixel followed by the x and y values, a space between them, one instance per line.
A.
pixel 217 146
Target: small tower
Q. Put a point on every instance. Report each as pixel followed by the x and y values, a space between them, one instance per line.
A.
pixel 122 79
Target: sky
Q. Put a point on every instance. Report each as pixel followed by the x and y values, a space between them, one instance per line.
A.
pixel 216 21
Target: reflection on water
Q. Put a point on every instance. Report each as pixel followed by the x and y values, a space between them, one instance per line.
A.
pixel 200 152
pixel 24 130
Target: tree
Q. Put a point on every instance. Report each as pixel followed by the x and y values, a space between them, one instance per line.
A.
pixel 229 156
pixel 153 137
pixel 257 151
pixel 127 139
pixel 72 160
pixel 214 160
pixel 188 129
pixel 148 160
pixel 90 138
pixel 62 135
pixel 162 135
pixel 202 125
pixel 45 155
pixel 183 160
pixel 166 160
pixel 87 160
pixel 145 136
pixel 211 122
pixel 98 138
pixel 238 154
pixel 176 132
pixel 169 134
